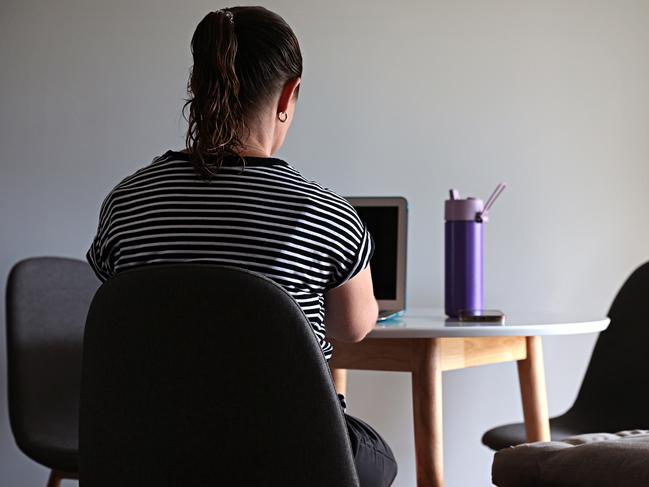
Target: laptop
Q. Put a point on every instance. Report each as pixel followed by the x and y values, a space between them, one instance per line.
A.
pixel 386 219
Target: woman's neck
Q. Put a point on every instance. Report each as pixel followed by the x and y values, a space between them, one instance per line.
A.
pixel 259 143
pixel 253 152
pixel 260 140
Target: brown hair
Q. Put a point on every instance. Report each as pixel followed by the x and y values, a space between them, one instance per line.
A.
pixel 242 57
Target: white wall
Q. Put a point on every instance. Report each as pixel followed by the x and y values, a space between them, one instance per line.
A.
pixel 408 97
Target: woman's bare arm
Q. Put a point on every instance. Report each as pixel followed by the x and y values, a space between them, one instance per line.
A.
pixel 351 309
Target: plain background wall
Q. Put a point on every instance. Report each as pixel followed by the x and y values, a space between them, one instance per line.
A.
pixel 399 98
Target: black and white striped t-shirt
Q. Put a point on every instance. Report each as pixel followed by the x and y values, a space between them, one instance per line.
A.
pixel 264 217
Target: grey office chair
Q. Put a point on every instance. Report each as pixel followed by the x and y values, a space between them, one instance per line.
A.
pixel 200 375
pixel 46 304
pixel 612 397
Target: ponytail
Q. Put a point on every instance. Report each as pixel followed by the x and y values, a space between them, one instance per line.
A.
pixel 242 58
pixel 215 114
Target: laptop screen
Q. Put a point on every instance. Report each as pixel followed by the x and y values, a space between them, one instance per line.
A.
pixel 383 224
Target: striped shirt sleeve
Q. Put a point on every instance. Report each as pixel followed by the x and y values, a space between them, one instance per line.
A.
pixel 96 255
pixel 360 253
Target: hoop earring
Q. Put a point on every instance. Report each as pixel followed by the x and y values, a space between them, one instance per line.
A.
pixel 282 116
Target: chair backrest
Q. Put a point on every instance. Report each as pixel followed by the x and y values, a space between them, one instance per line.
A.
pixel 614 393
pixel 47 302
pixel 197 375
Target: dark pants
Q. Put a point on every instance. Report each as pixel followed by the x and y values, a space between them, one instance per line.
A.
pixel 373 457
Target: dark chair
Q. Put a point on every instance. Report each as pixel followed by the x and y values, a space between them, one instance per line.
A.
pixel 201 375
pixel 612 396
pixel 47 302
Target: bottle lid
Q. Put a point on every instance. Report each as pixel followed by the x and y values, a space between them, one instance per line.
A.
pixel 468 209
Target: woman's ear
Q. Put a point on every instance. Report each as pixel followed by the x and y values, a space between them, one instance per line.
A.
pixel 288 92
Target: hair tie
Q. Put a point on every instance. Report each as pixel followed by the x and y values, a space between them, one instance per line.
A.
pixel 228 15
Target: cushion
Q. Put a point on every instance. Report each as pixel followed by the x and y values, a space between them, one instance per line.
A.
pixel 590 460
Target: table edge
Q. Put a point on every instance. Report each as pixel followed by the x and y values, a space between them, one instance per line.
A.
pixel 555 329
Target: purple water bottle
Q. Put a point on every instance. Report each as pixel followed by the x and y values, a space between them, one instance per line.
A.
pixel 463 248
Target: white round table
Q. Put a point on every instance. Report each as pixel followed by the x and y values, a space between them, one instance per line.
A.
pixel 425 343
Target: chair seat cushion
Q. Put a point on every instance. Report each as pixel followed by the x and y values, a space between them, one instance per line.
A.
pixel 514 434
pixel 57 458
pixel 590 460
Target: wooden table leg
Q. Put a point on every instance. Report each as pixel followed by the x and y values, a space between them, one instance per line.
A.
pixel 427 412
pixel 340 380
pixel 532 382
